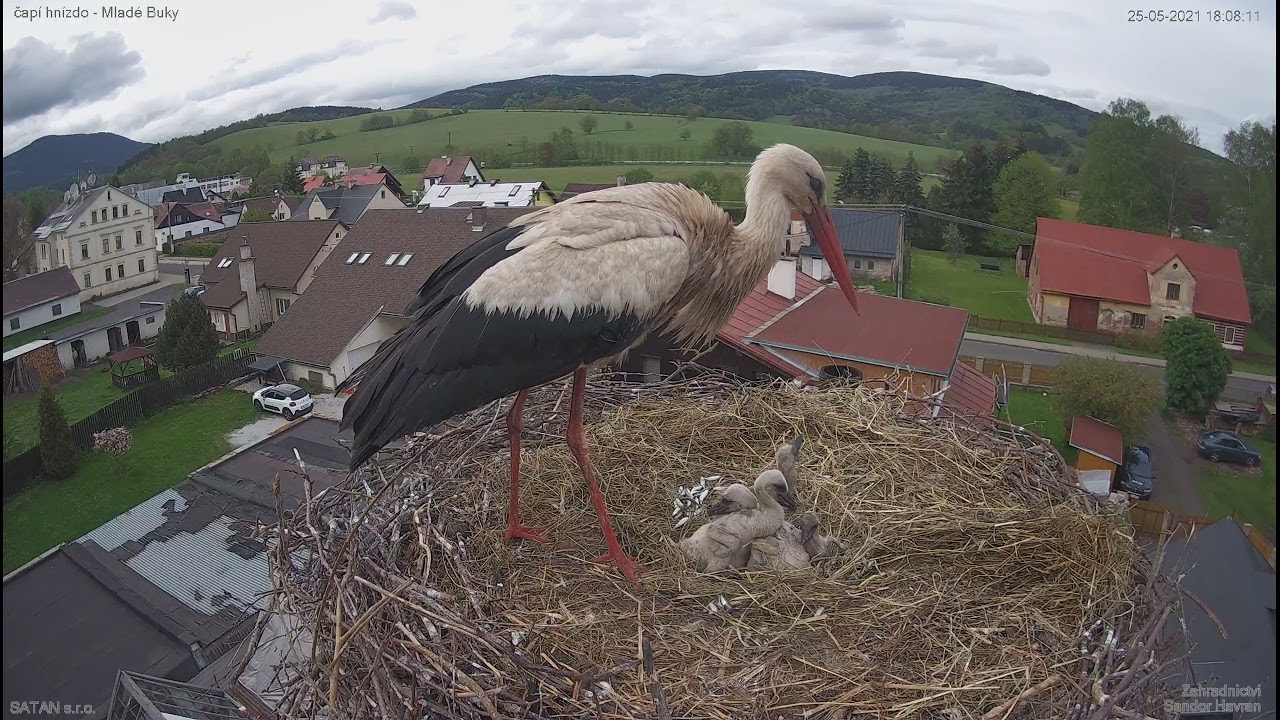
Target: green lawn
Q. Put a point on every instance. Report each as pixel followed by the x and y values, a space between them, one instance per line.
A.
pixel 494 131
pixel 1034 410
pixel 80 397
pixel 1000 294
pixel 1251 498
pixel 1254 342
pixel 1068 209
pixel 166 447
pixel 19 339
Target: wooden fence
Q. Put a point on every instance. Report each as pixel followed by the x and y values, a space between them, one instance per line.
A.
pixel 979 323
pixel 130 409
pixel 1154 519
pixel 1016 373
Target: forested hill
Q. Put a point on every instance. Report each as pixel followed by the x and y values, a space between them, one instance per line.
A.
pixel 908 106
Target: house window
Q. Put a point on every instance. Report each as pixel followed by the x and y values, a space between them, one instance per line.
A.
pixel 15 323
pixel 1172 291
pixel 142 265
pixel 106 245
pixel 384 194
pixel 137 237
pixel 282 305
pixel 352 257
pixel 57 309
pixel 857 264
pixel 391 259
pixel 364 258
pixel 404 260
pixel 871 264
pixel 225 263
pixel 84 251
pixel 94 216
pixel 513 192
pixel 107 272
pixel 115 213
pixel 119 242
pixel 120 270
pixel 315 378
pixel 124 210
pixel 188 234
pixel 151 320
pixel 44 251
pixel 444 191
pixel 88 280
pixel 1137 321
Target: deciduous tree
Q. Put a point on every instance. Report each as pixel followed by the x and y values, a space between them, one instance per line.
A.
pixel 1024 190
pixel 588 124
pixel 59 456
pixel 187 338
pixel 1118 184
pixel 733 140
pixel 18 245
pixel 1196 365
pixel 638 175
pixel 686 133
pixel 1113 392
pixel 256 215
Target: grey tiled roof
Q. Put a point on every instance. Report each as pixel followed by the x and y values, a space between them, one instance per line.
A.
pixel 868 233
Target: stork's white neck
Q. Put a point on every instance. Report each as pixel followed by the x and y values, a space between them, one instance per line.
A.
pixel 767 214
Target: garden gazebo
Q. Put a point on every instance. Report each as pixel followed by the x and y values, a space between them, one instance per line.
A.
pixel 133 366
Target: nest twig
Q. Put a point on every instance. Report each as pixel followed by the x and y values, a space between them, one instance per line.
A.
pixel 977 582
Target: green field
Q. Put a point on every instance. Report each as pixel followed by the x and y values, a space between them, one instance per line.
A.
pixel 986 293
pixel 494 129
pixel 1068 209
pixel 80 397
pixel 1033 410
pixel 166 447
pixel 1226 490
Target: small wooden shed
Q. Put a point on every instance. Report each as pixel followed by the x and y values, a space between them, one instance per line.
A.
pixel 133 366
pixel 1101 445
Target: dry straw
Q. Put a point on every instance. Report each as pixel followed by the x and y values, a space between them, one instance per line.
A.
pixel 977 582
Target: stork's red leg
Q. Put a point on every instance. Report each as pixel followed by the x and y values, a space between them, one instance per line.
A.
pixel 515 426
pixel 577 437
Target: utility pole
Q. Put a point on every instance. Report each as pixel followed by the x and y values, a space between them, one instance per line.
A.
pixel 377 158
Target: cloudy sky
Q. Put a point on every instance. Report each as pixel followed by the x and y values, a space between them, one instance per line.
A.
pixel 154 79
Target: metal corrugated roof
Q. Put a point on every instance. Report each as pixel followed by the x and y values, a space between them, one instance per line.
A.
pixel 135 522
pixel 24 349
pixel 200 570
pixel 868 233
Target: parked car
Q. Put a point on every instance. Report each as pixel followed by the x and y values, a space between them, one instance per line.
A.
pixel 1137 475
pixel 288 400
pixel 1224 446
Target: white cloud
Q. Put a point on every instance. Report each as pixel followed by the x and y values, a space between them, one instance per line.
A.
pixel 220 62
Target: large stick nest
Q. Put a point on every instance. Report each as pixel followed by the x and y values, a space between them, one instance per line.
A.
pixel 976 580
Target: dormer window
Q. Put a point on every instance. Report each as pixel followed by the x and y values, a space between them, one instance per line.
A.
pixel 1173 291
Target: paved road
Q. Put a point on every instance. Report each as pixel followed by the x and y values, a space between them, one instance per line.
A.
pixel 1241 386
pixel 1176 465
pixel 176 267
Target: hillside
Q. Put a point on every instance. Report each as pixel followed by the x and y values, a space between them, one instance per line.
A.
pixel 916 107
pixel 504 138
pixel 53 160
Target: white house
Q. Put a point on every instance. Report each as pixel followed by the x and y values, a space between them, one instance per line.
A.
pixel 331 165
pixel 490 194
pixel 130 323
pixel 449 170
pixel 105 237
pixel 38 299
pixel 221 185
pixel 182 221
pixel 346 204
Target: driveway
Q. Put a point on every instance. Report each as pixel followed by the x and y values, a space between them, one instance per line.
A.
pixel 1176 466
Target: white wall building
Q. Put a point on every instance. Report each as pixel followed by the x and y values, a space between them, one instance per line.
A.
pixel 491 194
pixel 105 237
pixel 40 299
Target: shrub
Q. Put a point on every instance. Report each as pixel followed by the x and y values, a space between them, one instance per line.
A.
pixel 187 338
pixel 1196 365
pixel 1111 391
pixel 1147 342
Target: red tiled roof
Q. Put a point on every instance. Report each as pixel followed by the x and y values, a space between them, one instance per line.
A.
pixel 1097 438
pixel 970 395
pixel 1110 264
pixel 315 182
pixel 757 308
pixel 353 179
pixel 32 290
pixel 888 331
pixel 129 353
pixel 448 169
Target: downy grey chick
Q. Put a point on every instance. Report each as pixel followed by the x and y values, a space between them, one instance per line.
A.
pixel 720 543
pixel 738 497
pixel 817 544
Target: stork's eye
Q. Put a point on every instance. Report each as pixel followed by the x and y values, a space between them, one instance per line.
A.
pixel 815 185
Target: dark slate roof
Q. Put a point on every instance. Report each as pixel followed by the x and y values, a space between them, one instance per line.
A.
pixel 66 634
pixel 866 233
pixel 120 314
pixel 29 291
pixel 345 203
pixel 1226 572
pixel 329 314
pixel 186 196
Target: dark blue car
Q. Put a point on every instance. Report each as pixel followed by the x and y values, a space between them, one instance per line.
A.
pixel 1137 476
pixel 1224 446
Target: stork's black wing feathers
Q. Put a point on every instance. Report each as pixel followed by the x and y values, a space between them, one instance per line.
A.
pixel 451 358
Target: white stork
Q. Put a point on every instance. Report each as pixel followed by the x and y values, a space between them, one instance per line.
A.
pixel 574 286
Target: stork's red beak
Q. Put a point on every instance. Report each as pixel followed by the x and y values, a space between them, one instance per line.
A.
pixel 819 220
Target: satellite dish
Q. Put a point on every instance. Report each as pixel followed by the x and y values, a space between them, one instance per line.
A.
pixel 93 179
pixel 83 186
pixel 75 191
pixel 66 197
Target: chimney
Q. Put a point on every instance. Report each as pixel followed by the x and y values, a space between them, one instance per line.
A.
pixel 249 284
pixel 621 180
pixel 478 217
pixel 782 278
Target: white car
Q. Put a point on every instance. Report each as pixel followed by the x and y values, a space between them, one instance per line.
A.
pixel 288 400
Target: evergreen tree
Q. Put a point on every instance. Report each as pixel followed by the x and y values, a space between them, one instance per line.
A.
pixel 860 174
pixel 953 241
pixel 844 190
pixel 58 454
pixel 289 182
pixel 1196 365
pixel 906 184
pixel 187 338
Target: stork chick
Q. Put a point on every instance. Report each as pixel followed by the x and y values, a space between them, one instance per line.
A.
pixel 738 497
pixel 719 544
pixel 817 544
pixel 783 550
